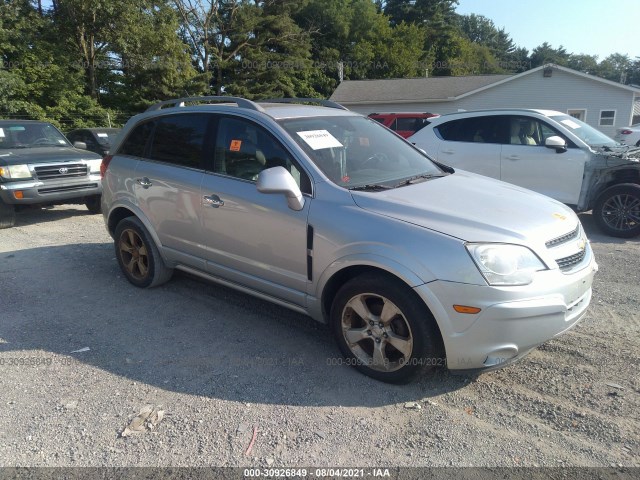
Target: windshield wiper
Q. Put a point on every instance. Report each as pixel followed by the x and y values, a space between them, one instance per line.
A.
pixel 371 187
pixel 419 178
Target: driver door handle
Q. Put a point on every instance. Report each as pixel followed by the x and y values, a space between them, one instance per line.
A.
pixel 213 200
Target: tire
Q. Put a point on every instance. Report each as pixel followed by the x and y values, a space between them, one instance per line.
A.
pixel 7 215
pixel 364 338
pixel 93 204
pixel 617 211
pixel 138 256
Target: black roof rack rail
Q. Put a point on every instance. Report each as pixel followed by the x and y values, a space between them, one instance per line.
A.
pixel 179 102
pixel 320 101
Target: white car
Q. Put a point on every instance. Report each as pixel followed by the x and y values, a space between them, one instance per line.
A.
pixel 629 135
pixel 545 151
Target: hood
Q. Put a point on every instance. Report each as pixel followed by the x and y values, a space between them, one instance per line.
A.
pixel 619 152
pixel 474 208
pixel 45 155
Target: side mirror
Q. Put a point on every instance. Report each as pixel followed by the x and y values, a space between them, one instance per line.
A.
pixel 279 180
pixel 80 145
pixel 557 143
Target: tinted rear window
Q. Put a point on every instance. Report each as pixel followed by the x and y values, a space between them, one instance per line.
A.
pixel 136 142
pixel 179 139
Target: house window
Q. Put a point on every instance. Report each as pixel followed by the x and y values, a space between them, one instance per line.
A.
pixel 578 113
pixel 607 117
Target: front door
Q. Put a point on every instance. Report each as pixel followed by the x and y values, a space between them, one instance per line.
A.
pixel 526 162
pixel 251 238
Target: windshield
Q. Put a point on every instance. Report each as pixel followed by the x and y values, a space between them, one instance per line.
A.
pixel 30 135
pixel 586 133
pixel 358 152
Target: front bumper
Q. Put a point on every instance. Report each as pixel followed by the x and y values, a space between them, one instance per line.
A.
pixel 513 320
pixel 50 191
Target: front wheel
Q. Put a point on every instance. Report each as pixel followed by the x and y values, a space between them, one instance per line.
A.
pixel 138 255
pixel 385 330
pixel 7 215
pixel 617 211
pixel 93 204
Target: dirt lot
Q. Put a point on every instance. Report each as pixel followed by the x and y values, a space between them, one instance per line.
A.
pixel 220 363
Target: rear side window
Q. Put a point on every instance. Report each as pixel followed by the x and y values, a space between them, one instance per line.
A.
pixel 179 139
pixel 488 129
pixel 136 143
pixel 411 124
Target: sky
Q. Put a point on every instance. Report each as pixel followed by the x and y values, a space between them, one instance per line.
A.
pixel 593 27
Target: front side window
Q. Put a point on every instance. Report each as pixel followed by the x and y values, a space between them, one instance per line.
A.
pixel 357 152
pixel 179 139
pixel 244 149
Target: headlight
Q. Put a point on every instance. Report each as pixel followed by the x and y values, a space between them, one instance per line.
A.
pixel 15 171
pixel 94 165
pixel 502 264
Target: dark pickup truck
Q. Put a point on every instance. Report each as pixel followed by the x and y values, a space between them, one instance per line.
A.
pixel 38 166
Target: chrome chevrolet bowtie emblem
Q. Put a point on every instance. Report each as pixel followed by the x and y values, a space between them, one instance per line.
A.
pixel 63 170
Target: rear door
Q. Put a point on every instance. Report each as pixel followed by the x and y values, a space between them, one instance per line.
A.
pixel 472 144
pixel 526 162
pixel 167 182
pixel 251 238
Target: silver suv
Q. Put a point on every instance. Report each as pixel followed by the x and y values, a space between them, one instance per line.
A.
pixel 324 211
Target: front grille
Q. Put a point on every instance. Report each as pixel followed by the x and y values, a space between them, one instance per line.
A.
pixel 64 170
pixel 67 188
pixel 567 263
pixel 563 238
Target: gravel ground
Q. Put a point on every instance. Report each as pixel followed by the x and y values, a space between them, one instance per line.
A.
pixel 220 364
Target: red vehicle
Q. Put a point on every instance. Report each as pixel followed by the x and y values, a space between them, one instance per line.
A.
pixel 404 124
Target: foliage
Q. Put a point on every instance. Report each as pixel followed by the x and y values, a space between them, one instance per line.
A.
pixel 94 62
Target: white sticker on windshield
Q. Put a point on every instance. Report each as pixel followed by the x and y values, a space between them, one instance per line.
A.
pixel 570 124
pixel 103 135
pixel 62 141
pixel 319 139
pixel 1 133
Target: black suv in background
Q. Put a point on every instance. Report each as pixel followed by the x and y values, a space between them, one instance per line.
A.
pixel 38 166
pixel 96 140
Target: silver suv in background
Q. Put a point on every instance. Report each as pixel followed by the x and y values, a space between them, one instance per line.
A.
pixel 38 166
pixel 414 265
pixel 545 151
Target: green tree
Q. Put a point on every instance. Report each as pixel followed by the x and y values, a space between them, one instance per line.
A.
pixel 438 18
pixel 482 31
pixel 545 53
pixel 616 67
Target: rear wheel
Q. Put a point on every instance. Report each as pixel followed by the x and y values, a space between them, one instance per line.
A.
pixel 7 215
pixel 617 210
pixel 138 255
pixel 385 330
pixel 93 204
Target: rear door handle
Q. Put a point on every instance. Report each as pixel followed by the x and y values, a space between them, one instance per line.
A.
pixel 513 157
pixel 213 200
pixel 144 182
pixel 449 152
